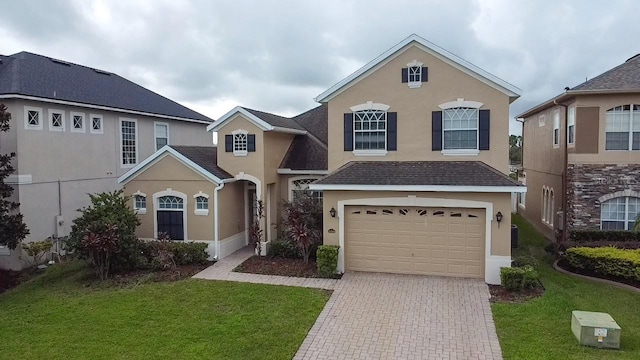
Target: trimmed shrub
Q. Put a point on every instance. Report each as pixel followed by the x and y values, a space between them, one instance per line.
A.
pixel 581 236
pixel 519 278
pixel 283 248
pixel 327 260
pixel 608 261
pixel 525 260
pixel 189 253
pixel 602 243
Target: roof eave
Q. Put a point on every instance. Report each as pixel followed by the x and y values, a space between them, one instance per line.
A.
pixel 261 124
pixel 287 171
pixel 437 188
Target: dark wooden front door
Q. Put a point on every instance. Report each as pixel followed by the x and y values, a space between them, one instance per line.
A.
pixel 171 222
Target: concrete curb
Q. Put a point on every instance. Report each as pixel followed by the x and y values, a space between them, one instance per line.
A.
pixel 603 281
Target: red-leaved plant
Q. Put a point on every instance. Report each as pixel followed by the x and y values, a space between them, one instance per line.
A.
pixel 98 244
pixel 303 224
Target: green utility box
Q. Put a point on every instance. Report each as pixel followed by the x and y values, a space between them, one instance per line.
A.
pixel 595 329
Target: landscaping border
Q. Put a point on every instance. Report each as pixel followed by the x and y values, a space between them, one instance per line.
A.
pixel 603 281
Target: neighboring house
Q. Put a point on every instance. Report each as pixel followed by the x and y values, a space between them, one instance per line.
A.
pixel 598 124
pixel 411 153
pixel 75 130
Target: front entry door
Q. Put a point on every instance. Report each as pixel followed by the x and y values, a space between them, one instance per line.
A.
pixel 171 222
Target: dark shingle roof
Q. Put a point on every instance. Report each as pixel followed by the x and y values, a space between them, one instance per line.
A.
pixel 276 120
pixel 315 122
pixel 625 76
pixel 204 156
pixel 456 173
pixel 305 153
pixel 36 75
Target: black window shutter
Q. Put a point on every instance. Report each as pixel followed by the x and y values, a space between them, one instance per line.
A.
pixel 436 130
pixel 228 143
pixel 425 74
pixel 251 143
pixel 392 131
pixel 484 128
pixel 348 132
pixel 405 75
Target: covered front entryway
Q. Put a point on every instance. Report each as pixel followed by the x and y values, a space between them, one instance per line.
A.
pixel 415 240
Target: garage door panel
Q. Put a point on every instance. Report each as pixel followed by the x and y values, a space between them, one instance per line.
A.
pixel 430 241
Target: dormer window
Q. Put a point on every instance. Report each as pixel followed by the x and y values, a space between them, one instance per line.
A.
pixel 240 142
pixel 415 74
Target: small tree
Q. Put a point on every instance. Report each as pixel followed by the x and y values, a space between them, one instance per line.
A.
pixel 303 224
pixel 98 245
pixel 107 210
pixel 12 227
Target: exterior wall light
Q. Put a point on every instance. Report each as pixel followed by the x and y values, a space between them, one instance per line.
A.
pixel 332 212
pixel 499 217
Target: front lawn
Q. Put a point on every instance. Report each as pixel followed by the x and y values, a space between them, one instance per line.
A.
pixel 541 328
pixel 62 315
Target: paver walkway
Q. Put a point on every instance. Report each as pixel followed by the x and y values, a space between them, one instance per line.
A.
pixel 223 270
pixel 386 316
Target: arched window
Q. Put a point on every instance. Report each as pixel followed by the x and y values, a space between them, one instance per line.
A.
pixel 619 213
pixel 299 187
pixel 170 202
pixel 622 128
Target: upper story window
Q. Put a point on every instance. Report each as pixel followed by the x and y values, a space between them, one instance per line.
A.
pixel 460 128
pixel 161 134
pixel 541 120
pixel 77 122
pixel 32 118
pixel 129 142
pixel 56 120
pixel 240 142
pixel 414 74
pixel 571 126
pixel 619 213
pixel 96 124
pixel 370 130
pixel 556 129
pixel 622 128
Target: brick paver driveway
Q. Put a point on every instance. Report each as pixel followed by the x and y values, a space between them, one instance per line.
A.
pixel 384 316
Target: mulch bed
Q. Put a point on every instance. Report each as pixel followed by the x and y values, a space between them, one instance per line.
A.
pixel 564 264
pixel 502 295
pixel 127 279
pixel 269 265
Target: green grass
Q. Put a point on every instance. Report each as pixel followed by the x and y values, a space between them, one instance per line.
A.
pixel 541 328
pixel 56 316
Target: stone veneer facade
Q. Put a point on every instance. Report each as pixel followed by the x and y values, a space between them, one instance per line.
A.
pixel 590 184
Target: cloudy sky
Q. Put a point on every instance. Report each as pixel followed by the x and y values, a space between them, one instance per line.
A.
pixel 278 55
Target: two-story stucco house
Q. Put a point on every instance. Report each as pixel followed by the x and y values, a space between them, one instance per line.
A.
pixel 591 134
pixel 409 155
pixel 75 130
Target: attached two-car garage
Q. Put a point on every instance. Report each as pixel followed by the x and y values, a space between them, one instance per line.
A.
pixel 415 240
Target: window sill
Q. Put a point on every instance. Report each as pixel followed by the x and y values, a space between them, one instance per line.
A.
pixel 461 152
pixel 240 153
pixel 415 85
pixel 33 127
pixel 556 146
pixel 370 152
pixel 56 128
pixel 127 166
pixel 202 212
pixel 141 211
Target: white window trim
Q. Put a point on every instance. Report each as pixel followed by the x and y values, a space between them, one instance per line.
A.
pixel 240 152
pixel 155 134
pixel 170 192
pixel 50 120
pixel 200 212
pixel 414 84
pixel 26 118
pixel 296 178
pixel 541 120
pixel 522 197
pixel 140 211
pixel 630 148
pixel 137 142
pixel 626 211
pixel 91 129
pixel 73 114
pixel 370 105
pixel 460 102
pixel 556 126
pixel 460 152
pixel 376 152
pixel 571 121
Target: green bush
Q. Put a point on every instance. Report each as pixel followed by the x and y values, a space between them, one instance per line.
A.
pixel 189 253
pixel 608 261
pixel 327 260
pixel 603 235
pixel 525 260
pixel 519 278
pixel 283 248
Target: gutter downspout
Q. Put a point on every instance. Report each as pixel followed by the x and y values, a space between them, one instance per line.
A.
pixel 521 121
pixel 216 228
pixel 563 237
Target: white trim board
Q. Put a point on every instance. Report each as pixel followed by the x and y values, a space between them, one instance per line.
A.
pixel 99 107
pixel 161 154
pixel 457 62
pixel 287 171
pixel 438 188
pixel 492 262
pixel 261 124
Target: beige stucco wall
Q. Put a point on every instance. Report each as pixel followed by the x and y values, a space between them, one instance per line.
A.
pixel 253 163
pixel 232 210
pixel 501 236
pixel 276 146
pixel 169 173
pixel 414 108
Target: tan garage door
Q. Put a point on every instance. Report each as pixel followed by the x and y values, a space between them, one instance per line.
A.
pixel 415 240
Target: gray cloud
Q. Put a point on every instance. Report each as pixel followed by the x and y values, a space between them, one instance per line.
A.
pixel 277 56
